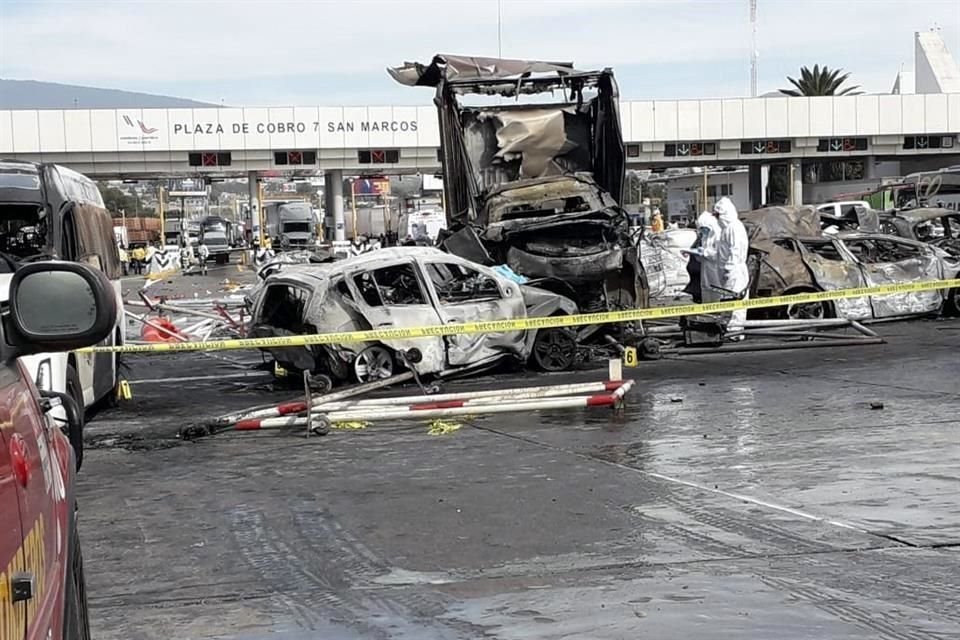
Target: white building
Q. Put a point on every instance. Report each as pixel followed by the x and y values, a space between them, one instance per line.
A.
pixel 685 192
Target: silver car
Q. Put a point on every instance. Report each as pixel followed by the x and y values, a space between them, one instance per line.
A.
pixel 405 287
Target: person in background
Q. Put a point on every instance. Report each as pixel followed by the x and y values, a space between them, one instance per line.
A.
pixel 657 225
pixel 732 251
pixel 708 235
pixel 139 257
pixel 203 252
pixel 124 259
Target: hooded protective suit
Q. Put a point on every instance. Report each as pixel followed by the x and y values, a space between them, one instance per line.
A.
pixel 708 230
pixel 732 255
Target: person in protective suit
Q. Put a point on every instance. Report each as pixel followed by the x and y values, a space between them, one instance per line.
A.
pixel 708 231
pixel 704 268
pixel 732 248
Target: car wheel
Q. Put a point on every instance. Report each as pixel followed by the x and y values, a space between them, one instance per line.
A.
pixel 807 310
pixel 373 363
pixel 554 349
pixel 75 432
pixel 76 615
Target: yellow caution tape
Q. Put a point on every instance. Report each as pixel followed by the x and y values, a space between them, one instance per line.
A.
pixel 523 324
pixel 352 425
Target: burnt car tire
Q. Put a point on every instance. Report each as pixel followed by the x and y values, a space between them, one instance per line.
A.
pixel 373 363
pixel 807 310
pixel 76 615
pixel 554 349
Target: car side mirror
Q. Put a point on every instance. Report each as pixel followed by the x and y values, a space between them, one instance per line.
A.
pixel 58 306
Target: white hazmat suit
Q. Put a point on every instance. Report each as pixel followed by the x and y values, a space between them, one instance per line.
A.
pixel 732 256
pixel 708 230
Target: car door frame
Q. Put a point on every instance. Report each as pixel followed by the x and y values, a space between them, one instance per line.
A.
pixel 897 305
pixel 851 308
pixel 432 349
pixel 469 349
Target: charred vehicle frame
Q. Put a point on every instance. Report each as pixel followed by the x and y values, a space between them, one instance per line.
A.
pixel 406 287
pixel 790 256
pixel 536 186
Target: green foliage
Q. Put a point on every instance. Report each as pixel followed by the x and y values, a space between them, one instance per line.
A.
pixel 821 81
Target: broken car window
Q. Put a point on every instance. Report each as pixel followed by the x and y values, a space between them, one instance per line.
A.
pixel 826 250
pixel 393 285
pixel 22 231
pixel 877 250
pixel 456 283
pixel 283 307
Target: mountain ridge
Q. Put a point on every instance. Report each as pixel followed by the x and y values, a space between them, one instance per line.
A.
pixel 34 94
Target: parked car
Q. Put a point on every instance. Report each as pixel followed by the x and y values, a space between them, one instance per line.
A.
pixel 791 256
pixel 535 181
pixel 406 287
pixel 53 306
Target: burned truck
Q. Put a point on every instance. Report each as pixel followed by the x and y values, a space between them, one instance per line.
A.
pixel 531 183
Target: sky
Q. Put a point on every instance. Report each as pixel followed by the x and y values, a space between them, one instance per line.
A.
pixel 327 52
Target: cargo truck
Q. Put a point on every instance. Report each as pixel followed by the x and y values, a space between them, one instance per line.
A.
pixel 215 232
pixel 290 225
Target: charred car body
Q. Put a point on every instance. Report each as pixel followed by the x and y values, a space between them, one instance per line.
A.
pixel 536 186
pixel 789 255
pixel 936 226
pixel 405 287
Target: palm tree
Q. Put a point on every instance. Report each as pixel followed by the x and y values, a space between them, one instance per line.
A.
pixel 820 82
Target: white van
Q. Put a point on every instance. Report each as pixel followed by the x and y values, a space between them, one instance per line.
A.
pixel 51 212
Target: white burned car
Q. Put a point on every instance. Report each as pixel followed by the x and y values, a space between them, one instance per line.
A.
pixel 405 287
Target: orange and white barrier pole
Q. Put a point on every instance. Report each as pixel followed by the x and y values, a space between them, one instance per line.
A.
pixel 440 409
pixel 330 402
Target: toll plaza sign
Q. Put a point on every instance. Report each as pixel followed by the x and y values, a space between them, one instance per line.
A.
pixel 301 128
pixel 270 128
pixel 341 126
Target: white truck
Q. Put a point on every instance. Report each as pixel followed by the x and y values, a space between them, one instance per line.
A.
pixel 290 225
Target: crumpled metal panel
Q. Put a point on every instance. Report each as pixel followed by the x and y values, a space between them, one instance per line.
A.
pixel 577 269
pixel 455 67
pixel 663 262
pixel 763 225
pixel 902 304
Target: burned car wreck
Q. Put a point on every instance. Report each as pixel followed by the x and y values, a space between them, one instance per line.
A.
pixel 536 185
pixel 933 225
pixel 406 287
pixel 789 255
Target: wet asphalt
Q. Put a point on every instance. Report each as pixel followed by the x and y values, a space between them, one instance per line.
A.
pixel 755 495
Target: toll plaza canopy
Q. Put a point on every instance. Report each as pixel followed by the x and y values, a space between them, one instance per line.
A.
pixel 398 139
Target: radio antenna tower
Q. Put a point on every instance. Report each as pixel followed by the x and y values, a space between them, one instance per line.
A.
pixel 753 48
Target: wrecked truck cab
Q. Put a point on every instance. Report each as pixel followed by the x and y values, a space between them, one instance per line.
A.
pixel 534 184
pixel 398 288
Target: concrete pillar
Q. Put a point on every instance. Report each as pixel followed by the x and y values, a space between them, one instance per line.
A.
pixel 796 182
pixel 253 195
pixel 755 184
pixel 870 167
pixel 333 199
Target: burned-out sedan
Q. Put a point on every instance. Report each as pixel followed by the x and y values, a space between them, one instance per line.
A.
pixel 789 256
pixel 406 287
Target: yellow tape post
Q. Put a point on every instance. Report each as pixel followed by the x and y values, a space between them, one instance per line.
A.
pixel 523 324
